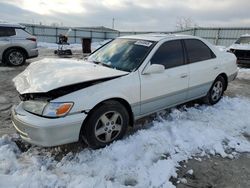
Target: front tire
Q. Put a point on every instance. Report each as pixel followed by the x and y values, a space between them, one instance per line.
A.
pixel 15 57
pixel 216 91
pixel 106 123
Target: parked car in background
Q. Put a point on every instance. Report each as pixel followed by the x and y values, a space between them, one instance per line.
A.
pixel 129 78
pixel 241 49
pixel 16 44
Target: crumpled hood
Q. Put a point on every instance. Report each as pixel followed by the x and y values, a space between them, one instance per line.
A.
pixel 240 46
pixel 48 74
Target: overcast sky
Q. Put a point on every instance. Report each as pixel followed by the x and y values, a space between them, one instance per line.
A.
pixel 130 15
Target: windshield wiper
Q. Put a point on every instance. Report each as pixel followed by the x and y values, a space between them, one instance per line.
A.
pixel 103 64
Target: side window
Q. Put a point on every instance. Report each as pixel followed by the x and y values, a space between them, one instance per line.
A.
pixel 197 51
pixel 7 32
pixel 169 54
pixel 22 33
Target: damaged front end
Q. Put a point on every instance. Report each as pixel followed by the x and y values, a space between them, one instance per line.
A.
pixel 243 56
pixel 40 103
pixel 61 91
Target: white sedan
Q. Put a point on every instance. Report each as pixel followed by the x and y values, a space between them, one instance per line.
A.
pixel 130 77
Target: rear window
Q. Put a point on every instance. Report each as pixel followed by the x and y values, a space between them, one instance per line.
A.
pixel 7 32
pixel 22 33
pixel 243 40
pixel 197 51
pixel 27 31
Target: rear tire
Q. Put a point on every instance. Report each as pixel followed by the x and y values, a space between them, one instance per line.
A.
pixel 106 123
pixel 15 57
pixel 216 91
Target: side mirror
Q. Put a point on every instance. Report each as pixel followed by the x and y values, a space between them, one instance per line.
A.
pixel 154 68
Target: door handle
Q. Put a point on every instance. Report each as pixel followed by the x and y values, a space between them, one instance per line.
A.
pixel 184 75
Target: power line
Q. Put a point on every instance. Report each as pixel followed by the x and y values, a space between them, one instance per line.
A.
pixel 113 23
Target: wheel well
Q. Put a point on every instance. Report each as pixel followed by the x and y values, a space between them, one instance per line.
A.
pixel 15 47
pixel 121 101
pixel 128 108
pixel 225 78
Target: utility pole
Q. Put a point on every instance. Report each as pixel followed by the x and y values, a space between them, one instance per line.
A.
pixel 113 23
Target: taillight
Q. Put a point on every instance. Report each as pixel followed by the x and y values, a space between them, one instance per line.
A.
pixel 32 39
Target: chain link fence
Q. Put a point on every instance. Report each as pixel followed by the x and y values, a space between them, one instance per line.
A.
pixel 217 36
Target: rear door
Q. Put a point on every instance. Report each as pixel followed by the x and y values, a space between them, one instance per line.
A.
pixel 5 38
pixel 161 90
pixel 203 67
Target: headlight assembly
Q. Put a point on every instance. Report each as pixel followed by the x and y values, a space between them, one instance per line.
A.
pixel 57 109
pixel 35 107
pixel 48 109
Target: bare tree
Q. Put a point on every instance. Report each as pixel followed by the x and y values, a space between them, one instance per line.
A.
pixel 185 23
pixel 54 24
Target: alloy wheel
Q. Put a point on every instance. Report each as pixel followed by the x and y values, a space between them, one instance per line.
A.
pixel 217 90
pixel 16 58
pixel 108 126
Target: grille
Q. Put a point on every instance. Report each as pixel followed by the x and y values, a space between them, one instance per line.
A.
pixel 242 54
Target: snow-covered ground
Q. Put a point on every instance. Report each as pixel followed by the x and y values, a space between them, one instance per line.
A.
pixel 147 158
pixel 54 46
pixel 73 46
pixel 244 73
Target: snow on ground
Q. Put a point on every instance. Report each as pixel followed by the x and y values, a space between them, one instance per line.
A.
pixel 244 73
pixel 147 158
pixel 54 46
pixel 73 46
pixel 5 69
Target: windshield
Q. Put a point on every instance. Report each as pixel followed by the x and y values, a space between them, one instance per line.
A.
pixel 123 54
pixel 243 40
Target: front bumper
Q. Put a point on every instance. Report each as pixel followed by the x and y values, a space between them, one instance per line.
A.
pixel 243 56
pixel 45 131
pixel 243 61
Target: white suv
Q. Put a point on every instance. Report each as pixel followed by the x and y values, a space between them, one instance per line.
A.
pixel 130 77
pixel 16 44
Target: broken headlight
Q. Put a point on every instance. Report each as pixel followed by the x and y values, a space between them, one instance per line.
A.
pixel 35 107
pixel 48 109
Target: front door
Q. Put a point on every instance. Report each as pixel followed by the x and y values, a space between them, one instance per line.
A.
pixel 162 90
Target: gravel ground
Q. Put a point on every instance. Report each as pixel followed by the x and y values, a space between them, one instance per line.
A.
pixel 208 172
pixel 217 172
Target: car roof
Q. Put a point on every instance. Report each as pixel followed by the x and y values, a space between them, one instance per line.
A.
pixel 245 35
pixel 12 25
pixel 157 36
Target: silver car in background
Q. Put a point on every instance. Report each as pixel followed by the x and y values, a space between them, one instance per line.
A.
pixel 16 44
